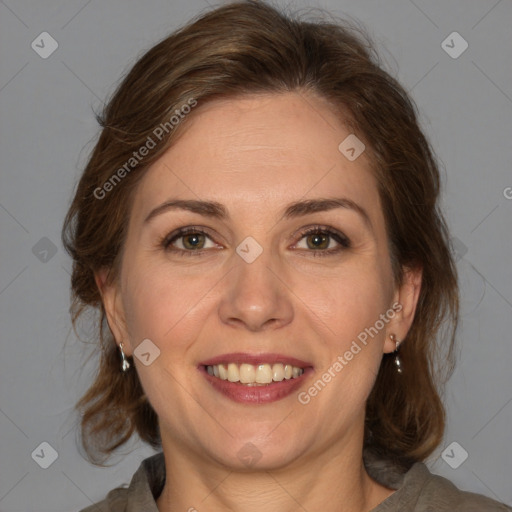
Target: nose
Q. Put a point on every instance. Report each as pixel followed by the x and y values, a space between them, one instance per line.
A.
pixel 256 297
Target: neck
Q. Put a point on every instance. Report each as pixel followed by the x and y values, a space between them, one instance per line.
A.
pixel 332 481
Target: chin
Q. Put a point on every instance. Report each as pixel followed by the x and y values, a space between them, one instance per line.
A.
pixel 257 453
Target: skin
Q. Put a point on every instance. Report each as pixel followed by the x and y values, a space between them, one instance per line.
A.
pixel 255 155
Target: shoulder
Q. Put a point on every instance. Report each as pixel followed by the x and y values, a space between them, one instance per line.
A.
pixel 145 486
pixel 116 501
pixel 419 490
pixel 436 493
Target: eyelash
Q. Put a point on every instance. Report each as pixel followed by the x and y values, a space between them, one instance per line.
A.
pixel 342 240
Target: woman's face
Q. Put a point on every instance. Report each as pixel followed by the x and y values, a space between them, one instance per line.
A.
pixel 269 274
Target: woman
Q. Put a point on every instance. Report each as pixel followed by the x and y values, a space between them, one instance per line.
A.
pixel 258 227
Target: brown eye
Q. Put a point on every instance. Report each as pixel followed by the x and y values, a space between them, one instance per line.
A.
pixel 193 241
pixel 187 241
pixel 318 241
pixel 323 241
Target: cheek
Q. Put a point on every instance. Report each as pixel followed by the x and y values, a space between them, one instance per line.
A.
pixel 349 307
pixel 348 300
pixel 163 305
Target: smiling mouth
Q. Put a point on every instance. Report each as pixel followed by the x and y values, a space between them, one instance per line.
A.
pixel 254 375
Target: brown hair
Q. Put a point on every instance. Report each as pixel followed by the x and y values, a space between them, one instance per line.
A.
pixel 246 48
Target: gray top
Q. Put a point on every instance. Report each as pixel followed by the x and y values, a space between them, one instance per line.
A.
pixel 417 490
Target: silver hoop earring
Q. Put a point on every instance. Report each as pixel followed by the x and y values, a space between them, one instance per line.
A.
pixel 398 362
pixel 125 365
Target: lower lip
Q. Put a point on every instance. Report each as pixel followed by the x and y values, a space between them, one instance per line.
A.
pixel 256 394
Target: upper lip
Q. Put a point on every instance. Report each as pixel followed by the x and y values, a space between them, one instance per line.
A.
pixel 254 359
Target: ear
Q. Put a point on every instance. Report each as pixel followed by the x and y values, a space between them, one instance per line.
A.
pixel 405 301
pixel 114 309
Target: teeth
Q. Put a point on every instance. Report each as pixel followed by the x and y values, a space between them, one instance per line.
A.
pixel 254 375
pixel 277 372
pixel 223 371
pixel 233 372
pixel 264 374
pixel 247 373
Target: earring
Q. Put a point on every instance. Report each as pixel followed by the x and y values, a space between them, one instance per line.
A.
pixel 398 362
pixel 125 365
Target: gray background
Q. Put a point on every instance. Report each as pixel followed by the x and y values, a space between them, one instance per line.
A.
pixel 47 129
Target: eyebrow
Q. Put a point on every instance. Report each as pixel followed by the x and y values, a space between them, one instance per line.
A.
pixel 294 210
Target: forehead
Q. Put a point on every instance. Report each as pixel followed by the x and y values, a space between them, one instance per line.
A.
pixel 259 150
